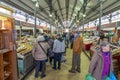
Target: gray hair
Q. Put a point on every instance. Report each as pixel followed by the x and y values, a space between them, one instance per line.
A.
pixel 103 44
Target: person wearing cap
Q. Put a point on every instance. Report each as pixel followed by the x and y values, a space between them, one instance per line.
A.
pixel 58 49
pixel 101 63
pixel 39 53
pixel 78 45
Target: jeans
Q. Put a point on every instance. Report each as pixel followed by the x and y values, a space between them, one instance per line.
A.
pixel 40 65
pixel 57 58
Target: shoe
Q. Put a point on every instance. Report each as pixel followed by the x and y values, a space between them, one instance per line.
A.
pixel 78 70
pixel 71 71
pixel 36 76
pixel 59 68
pixel 54 68
pixel 43 76
pixel 50 63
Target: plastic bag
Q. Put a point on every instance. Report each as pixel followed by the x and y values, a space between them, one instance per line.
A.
pixel 89 77
pixel 63 58
pixel 112 76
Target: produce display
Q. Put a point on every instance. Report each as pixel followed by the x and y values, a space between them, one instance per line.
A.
pixel 24 45
pixel 90 40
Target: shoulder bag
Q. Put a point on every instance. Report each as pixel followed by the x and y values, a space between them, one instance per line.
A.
pixel 43 50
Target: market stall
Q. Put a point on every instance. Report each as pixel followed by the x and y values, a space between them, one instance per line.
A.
pixel 24 55
pixel 8 59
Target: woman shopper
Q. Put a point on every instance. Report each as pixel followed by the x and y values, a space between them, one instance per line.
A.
pixel 101 63
pixel 39 53
pixel 50 51
pixel 58 49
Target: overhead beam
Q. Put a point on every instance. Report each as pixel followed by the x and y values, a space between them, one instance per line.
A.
pixel 30 12
pixel 67 8
pixel 33 9
pixel 60 8
pixel 93 9
pixel 38 12
pixel 81 9
pixel 54 11
pixel 17 6
pixel 105 13
pixel 75 3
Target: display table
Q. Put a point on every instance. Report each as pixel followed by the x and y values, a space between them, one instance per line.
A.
pixel 116 56
pixel 25 63
pixel 87 45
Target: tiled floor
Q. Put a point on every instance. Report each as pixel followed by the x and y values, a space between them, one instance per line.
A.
pixel 63 74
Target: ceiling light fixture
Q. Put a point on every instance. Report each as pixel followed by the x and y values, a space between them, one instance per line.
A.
pixel 37 4
pixel 50 15
pixel 84 15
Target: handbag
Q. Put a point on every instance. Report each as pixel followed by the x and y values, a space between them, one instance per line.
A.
pixel 112 76
pixel 89 77
pixel 43 51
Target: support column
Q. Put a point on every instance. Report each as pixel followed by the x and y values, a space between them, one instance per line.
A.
pixel 50 26
pixel 35 21
pixel 20 30
pixel 100 15
pixel 83 27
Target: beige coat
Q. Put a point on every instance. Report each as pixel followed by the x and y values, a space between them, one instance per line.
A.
pixel 37 51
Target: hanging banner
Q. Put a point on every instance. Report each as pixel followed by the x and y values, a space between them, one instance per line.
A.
pixel 27 24
pixel 110 25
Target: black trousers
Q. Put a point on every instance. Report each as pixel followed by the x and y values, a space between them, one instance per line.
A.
pixel 57 58
pixel 40 65
pixel 51 59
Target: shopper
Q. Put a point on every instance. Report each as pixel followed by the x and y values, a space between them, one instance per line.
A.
pixel 67 39
pixel 39 53
pixel 71 40
pixel 77 49
pixel 101 63
pixel 50 52
pixel 102 36
pixel 58 49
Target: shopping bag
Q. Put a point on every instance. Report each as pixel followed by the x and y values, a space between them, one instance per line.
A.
pixel 112 76
pixel 63 58
pixel 89 77
pixel 107 78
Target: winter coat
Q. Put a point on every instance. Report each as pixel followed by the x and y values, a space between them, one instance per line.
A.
pixel 51 42
pixel 38 52
pixel 97 64
pixel 78 45
pixel 59 46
